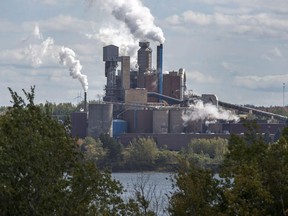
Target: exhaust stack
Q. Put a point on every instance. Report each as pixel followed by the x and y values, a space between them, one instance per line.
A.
pixel 160 68
pixel 85 101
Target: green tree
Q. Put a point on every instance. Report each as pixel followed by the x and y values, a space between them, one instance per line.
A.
pixel 93 149
pixel 254 180
pixel 114 148
pixel 142 152
pixel 197 192
pixel 258 170
pixel 207 153
pixel 41 171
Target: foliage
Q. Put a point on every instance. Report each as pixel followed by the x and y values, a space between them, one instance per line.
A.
pixel 197 192
pixel 167 160
pixel 254 180
pixel 41 171
pixel 93 149
pixel 206 152
pixel 113 148
pixel 142 152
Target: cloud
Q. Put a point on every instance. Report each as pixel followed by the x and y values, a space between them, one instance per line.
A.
pixel 199 77
pixel 53 2
pixel 231 68
pixel 63 23
pixel 273 54
pixel 266 83
pixel 258 24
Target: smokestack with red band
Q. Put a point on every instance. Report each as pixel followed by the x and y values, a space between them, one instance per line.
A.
pixel 160 68
pixel 85 101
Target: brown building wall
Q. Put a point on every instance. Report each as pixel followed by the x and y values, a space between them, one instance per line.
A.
pixel 172 85
pixel 151 85
pixel 137 96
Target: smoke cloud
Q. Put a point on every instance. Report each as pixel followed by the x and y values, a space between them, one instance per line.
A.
pixel 68 58
pixel 127 43
pixel 38 50
pixel 137 18
pixel 207 112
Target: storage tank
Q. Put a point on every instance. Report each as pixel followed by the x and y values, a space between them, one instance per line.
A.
pixel 79 124
pixel 160 121
pixel 175 121
pixel 139 121
pixel 100 119
pixel 119 127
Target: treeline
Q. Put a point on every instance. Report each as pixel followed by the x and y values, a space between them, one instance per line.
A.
pixel 142 154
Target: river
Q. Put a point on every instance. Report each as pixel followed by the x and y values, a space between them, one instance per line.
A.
pixel 155 186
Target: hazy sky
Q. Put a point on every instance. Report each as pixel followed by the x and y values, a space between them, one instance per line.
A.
pixel 236 49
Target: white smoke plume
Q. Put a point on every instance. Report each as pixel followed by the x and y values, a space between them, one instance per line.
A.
pixel 137 18
pixel 68 58
pixel 38 48
pixel 120 37
pixel 207 112
pixel 38 51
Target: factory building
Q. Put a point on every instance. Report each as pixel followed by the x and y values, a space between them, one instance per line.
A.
pixel 148 102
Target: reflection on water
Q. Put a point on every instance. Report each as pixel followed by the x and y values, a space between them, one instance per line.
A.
pixel 156 187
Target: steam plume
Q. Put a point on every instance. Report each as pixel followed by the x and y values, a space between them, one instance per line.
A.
pixel 37 48
pixel 120 37
pixel 207 112
pixel 67 58
pixel 137 18
pixel 38 51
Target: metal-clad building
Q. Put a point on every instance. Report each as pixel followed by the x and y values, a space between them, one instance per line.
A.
pixel 176 123
pixel 160 121
pixel 100 119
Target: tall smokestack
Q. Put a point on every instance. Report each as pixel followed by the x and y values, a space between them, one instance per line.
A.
pixel 160 68
pixel 85 101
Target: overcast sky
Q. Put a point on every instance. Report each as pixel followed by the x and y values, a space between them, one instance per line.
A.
pixel 236 49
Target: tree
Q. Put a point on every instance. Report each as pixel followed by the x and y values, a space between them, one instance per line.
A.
pixel 197 192
pixel 142 152
pixel 114 148
pixel 41 170
pixel 93 149
pixel 208 153
pixel 254 180
pixel 258 173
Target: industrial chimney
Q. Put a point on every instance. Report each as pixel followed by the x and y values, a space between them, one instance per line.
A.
pixel 160 68
pixel 85 101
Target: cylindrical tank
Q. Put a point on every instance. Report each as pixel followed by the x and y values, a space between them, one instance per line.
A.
pixel 139 121
pixel 79 124
pixel 176 123
pixel 160 121
pixel 100 119
pixel 119 127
